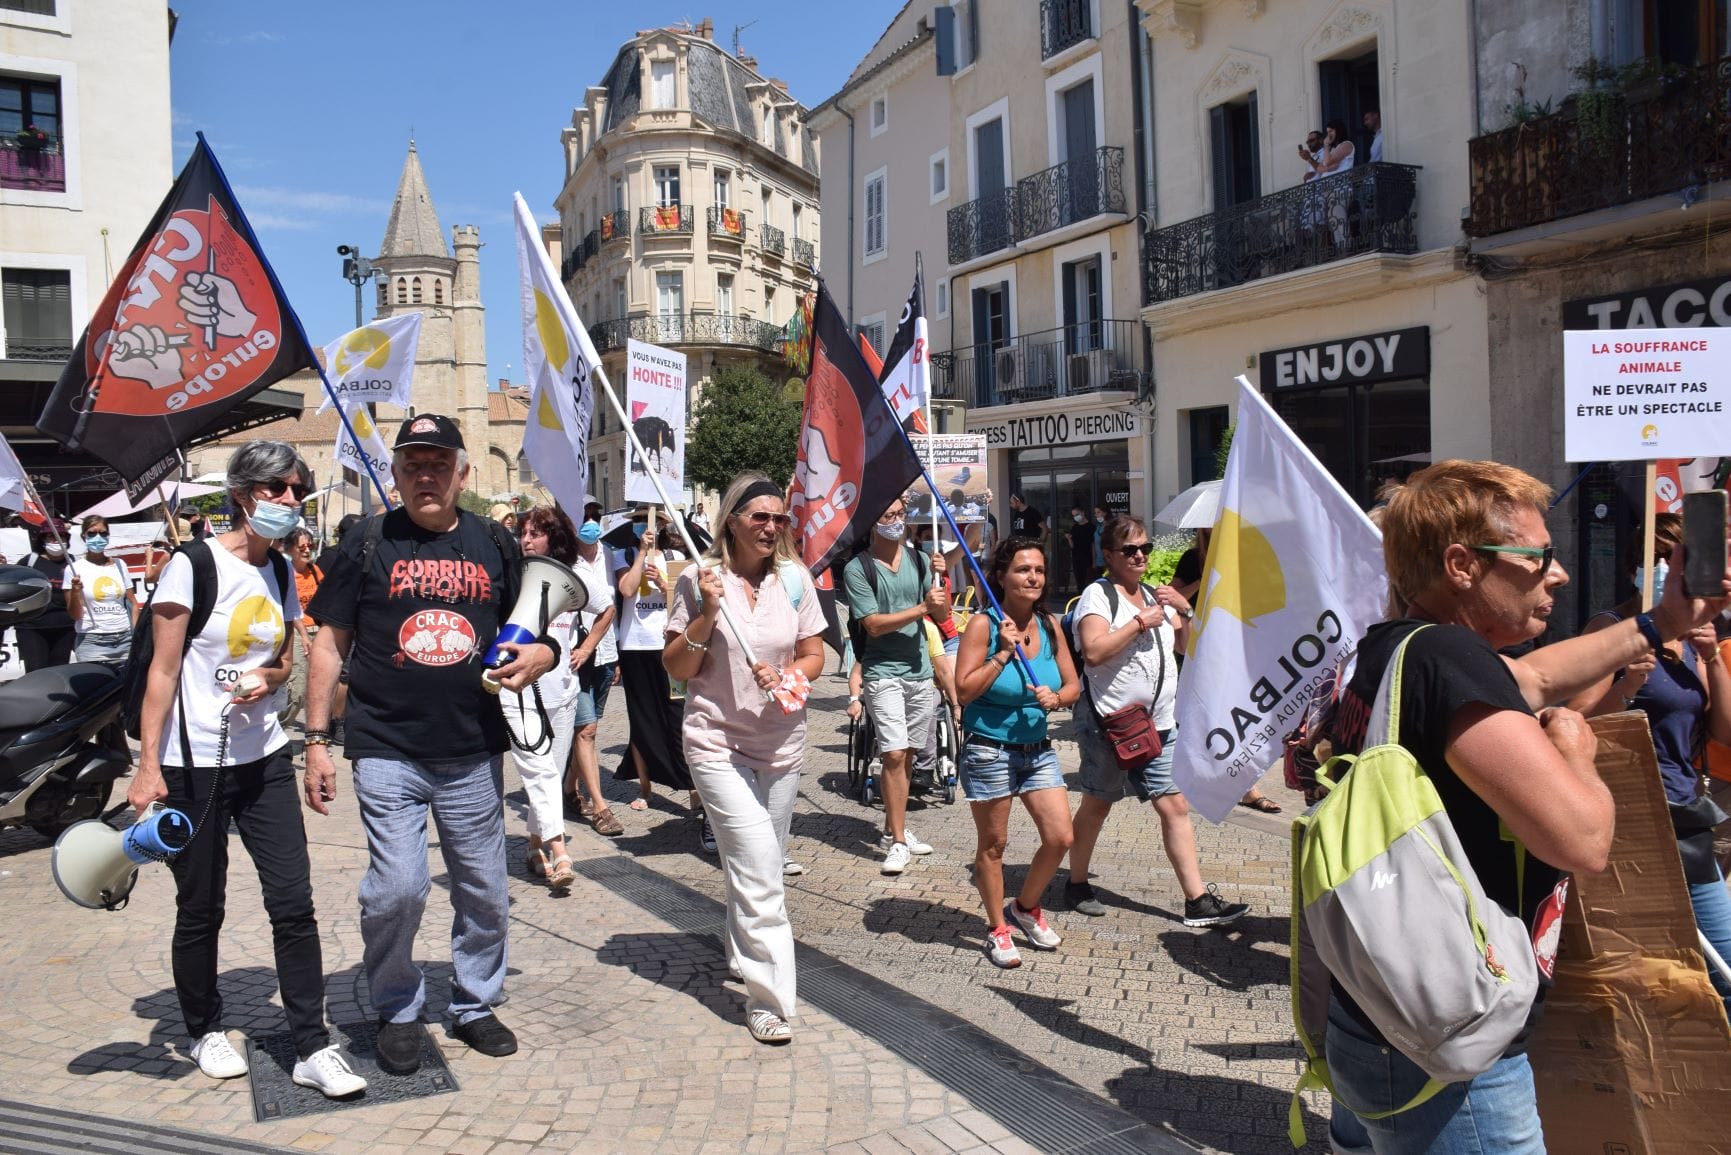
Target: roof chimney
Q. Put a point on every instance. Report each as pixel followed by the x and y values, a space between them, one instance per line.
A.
pixel 748 61
pixel 706 28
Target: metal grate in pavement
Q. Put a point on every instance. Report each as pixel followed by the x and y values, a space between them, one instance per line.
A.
pixel 275 1095
pixel 1038 1104
pixel 28 1128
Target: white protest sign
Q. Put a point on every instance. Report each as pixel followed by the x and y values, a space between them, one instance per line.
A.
pixel 655 401
pixel 1642 394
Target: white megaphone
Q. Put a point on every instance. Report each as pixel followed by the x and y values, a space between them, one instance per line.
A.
pixel 96 865
pixel 548 589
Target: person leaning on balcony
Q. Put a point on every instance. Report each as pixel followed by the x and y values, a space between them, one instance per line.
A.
pixel 1338 156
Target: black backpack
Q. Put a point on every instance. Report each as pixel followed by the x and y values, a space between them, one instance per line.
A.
pixel 856 622
pixel 136 675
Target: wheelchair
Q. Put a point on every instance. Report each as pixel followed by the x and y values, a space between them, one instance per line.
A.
pixel 863 763
pixel 939 779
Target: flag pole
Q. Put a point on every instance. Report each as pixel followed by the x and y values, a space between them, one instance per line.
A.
pixel 923 356
pixel 293 316
pixel 599 374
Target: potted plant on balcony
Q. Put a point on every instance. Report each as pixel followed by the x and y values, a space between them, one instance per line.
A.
pixel 30 138
pixel 1597 112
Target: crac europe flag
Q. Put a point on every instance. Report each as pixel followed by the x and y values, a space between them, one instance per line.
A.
pixel 853 459
pixel 193 325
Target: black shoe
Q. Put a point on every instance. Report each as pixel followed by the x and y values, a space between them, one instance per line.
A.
pixel 399 1047
pixel 1079 897
pixel 1212 910
pixel 488 1036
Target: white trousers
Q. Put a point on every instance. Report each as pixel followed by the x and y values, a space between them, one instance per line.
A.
pixel 543 774
pixel 750 814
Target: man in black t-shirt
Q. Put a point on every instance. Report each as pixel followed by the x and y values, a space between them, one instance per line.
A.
pixel 1025 520
pixel 413 603
pixel 47 639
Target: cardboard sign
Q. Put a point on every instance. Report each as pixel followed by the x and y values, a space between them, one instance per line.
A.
pixel 1644 394
pixel 958 466
pixel 1633 1052
pixel 655 401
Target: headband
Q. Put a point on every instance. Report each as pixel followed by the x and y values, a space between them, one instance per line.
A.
pixel 760 488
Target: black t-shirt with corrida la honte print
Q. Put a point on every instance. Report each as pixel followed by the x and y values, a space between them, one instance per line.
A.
pixel 1449 668
pixel 422 618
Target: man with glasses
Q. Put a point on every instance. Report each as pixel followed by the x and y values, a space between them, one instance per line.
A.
pixel 890 590
pixel 415 597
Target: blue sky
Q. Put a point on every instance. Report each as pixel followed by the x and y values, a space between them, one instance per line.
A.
pixel 309 107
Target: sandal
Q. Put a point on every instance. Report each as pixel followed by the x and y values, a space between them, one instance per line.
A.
pixel 1261 802
pixel 605 823
pixel 640 803
pixel 535 862
pixel 768 1027
pixel 560 876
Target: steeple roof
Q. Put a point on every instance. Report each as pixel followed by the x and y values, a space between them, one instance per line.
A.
pixel 414 227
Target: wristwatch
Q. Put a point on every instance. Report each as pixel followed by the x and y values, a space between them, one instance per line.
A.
pixel 1187 613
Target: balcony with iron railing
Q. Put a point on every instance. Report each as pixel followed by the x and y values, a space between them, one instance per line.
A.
pixel 804 253
pixel 727 224
pixel 25 347
pixel 1368 209
pixel 34 168
pixel 654 220
pixel 581 254
pixel 686 329
pixel 616 226
pixel 1612 145
pixel 1073 361
pixel 771 240
pixel 1050 199
pixel 1064 23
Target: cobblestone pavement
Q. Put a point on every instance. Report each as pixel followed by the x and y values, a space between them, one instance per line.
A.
pixel 1137 1034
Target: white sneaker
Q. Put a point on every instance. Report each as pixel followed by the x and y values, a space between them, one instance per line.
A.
pixel 915 846
pixel 330 1073
pixel 896 860
pixel 217 1058
pixel 790 868
pixel 1033 924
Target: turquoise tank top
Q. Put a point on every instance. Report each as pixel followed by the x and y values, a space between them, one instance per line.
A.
pixel 1007 710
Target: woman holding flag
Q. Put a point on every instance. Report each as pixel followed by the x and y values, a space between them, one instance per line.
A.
pixel 744 729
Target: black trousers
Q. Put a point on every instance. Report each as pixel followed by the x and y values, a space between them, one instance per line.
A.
pixel 41 649
pixel 262 799
pixel 657 720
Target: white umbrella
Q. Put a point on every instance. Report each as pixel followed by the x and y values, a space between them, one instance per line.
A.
pixel 118 505
pixel 1196 508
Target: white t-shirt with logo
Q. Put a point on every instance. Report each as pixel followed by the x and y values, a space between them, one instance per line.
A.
pixel 558 685
pixel 106 610
pixel 246 629
pixel 1132 675
pixel 643 618
pixel 596 578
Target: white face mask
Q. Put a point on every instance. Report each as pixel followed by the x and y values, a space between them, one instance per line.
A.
pixel 892 530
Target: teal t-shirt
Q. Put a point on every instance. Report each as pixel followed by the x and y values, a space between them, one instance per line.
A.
pixel 901 654
pixel 1008 710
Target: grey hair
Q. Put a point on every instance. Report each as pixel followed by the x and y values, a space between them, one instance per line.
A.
pixel 261 462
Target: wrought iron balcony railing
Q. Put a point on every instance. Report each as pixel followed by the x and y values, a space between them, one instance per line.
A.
pixel 729 224
pixel 1063 23
pixel 1602 149
pixel 804 253
pixel 1047 200
pixel 685 329
pixel 1369 209
pixel 665 219
pixel 615 226
pixel 1073 361
pixel 33 169
pixel 771 240
pixel 34 349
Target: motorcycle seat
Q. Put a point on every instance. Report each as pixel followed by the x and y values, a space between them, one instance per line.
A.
pixel 43 695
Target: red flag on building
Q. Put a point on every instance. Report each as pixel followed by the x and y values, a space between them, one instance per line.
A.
pixel 853 460
pixel 193 325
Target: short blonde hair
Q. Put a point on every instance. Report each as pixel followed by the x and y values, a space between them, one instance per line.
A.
pixel 1464 502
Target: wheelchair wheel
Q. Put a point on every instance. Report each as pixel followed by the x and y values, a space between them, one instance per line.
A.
pixel 855 747
pixel 868 789
pixel 949 757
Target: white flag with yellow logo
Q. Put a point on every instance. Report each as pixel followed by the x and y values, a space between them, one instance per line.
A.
pixel 375 362
pixel 370 452
pixel 1294 577
pixel 559 358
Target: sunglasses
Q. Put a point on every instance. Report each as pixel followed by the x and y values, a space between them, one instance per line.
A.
pixel 757 519
pixel 279 487
pixel 1140 549
pixel 1546 556
pixel 891 518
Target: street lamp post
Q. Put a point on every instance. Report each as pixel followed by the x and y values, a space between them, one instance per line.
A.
pixel 357 271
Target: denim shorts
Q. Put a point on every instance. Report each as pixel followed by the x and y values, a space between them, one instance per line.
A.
pixel 988 772
pixel 592 703
pixel 1101 776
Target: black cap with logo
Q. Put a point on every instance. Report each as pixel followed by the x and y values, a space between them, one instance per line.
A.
pixel 430 429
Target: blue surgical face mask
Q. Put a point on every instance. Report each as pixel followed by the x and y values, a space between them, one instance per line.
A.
pixel 96 543
pixel 272 521
pixel 589 533
pixel 1661 570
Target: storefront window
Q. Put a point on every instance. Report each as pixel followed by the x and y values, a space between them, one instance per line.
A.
pixel 1055 480
pixel 1364 435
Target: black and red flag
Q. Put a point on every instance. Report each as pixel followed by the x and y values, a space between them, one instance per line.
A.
pixel 194 324
pixel 853 460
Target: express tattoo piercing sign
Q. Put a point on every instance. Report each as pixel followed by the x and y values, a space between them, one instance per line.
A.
pixel 1642 394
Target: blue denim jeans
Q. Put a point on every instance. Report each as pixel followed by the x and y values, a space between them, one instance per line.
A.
pixel 1494 1114
pixel 1712 905
pixel 467 801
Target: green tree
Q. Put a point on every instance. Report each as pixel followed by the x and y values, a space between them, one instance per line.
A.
pixel 744 420
pixel 1224 450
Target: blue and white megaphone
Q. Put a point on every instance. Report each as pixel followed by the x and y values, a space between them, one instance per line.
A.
pixel 96 865
pixel 549 588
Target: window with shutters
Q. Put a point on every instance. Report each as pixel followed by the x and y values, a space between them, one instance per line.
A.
pixel 872 329
pixel 1233 152
pixel 37 314
pixel 415 291
pixel 661 84
pixel 438 292
pixel 875 242
pixel 402 290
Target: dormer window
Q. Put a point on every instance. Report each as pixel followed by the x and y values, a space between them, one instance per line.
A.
pixel 661 84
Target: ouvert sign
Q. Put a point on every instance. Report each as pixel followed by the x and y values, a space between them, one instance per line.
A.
pixel 1403 354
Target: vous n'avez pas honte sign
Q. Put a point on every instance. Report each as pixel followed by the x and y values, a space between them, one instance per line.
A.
pixel 1642 394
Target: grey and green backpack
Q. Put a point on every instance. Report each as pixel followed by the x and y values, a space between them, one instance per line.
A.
pixel 1385 900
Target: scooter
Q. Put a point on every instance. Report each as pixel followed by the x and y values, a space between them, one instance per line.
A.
pixel 55 769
